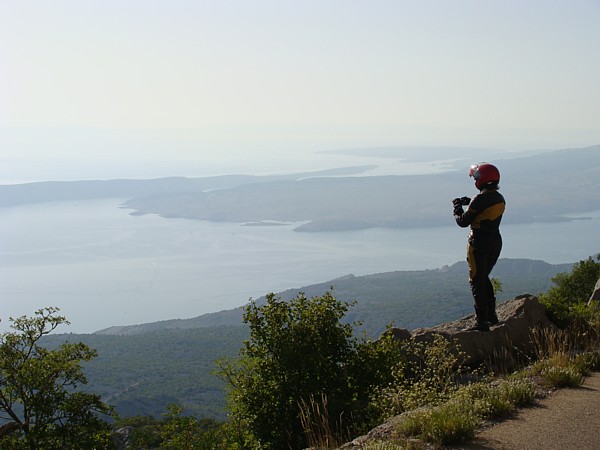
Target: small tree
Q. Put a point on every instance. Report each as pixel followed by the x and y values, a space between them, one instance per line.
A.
pixel 300 352
pixel 38 389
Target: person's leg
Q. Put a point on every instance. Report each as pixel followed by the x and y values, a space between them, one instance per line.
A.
pixel 495 246
pixel 478 271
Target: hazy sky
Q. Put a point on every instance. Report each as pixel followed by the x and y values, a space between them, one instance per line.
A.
pixel 105 82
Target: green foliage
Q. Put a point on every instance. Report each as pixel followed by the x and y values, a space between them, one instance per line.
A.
pixel 384 446
pixel 588 361
pixel 497 285
pixel 185 432
pixel 143 374
pixel 426 377
pixel 566 300
pixel 38 389
pixel 175 431
pixel 146 431
pixel 562 377
pixel 300 351
pixel 447 424
pixel 560 370
pixel 488 400
pixel 456 420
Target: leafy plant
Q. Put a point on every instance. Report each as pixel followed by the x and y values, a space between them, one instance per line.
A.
pixel 496 285
pixel 494 399
pixel 38 389
pixel 447 424
pixel 571 291
pixel 427 376
pixel 559 371
pixel 300 351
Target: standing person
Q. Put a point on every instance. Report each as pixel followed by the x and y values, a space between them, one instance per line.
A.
pixel 483 214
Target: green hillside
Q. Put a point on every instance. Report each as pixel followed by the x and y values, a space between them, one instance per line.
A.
pixel 147 367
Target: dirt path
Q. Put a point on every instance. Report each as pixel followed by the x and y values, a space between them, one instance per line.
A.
pixel 566 419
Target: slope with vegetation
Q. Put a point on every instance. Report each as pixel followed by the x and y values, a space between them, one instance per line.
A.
pixel 273 406
pixel 142 369
pixel 303 378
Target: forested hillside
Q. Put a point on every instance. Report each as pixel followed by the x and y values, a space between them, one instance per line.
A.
pixel 143 374
pixel 146 367
pixel 412 299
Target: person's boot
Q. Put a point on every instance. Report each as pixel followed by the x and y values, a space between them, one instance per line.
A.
pixel 482 324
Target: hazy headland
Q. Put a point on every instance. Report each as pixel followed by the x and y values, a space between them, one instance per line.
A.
pixel 124 252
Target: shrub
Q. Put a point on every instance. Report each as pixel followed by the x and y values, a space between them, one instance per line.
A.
pixel 426 377
pixel 496 399
pixel 559 371
pixel 299 351
pixel 39 389
pixel 588 361
pixel 571 291
pixel 385 446
pixel 560 377
pixel 447 424
pixel 519 391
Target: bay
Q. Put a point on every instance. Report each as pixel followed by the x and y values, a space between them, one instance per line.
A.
pixel 103 267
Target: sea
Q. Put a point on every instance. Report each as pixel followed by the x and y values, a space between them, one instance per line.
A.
pixel 104 267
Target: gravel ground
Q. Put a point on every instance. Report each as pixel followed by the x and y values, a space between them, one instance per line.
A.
pixel 566 419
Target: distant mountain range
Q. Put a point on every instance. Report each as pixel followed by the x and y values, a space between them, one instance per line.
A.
pixel 550 186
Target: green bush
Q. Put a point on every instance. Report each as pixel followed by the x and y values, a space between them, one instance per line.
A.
pixel 299 351
pixel 588 362
pixel 496 399
pixel 560 370
pixel 562 377
pixel 40 389
pixel 567 299
pixel 447 424
pixel 427 376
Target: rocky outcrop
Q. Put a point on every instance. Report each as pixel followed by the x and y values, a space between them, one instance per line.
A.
pixel 510 338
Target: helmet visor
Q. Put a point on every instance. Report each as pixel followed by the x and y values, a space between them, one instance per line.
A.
pixel 474 171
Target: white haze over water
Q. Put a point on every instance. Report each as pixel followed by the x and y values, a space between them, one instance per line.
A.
pixel 104 267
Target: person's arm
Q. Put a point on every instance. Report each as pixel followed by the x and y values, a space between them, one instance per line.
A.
pixel 464 219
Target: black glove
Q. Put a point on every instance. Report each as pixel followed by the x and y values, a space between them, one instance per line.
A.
pixel 461 201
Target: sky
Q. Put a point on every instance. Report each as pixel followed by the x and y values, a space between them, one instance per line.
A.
pixel 90 86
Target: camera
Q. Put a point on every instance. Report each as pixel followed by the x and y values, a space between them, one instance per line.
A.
pixel 464 201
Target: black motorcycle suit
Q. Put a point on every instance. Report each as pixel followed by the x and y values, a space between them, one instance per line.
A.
pixel 484 215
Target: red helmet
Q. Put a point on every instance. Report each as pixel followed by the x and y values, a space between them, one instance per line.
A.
pixel 484 173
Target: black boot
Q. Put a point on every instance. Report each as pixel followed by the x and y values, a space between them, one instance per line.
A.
pixel 480 326
pixel 481 313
